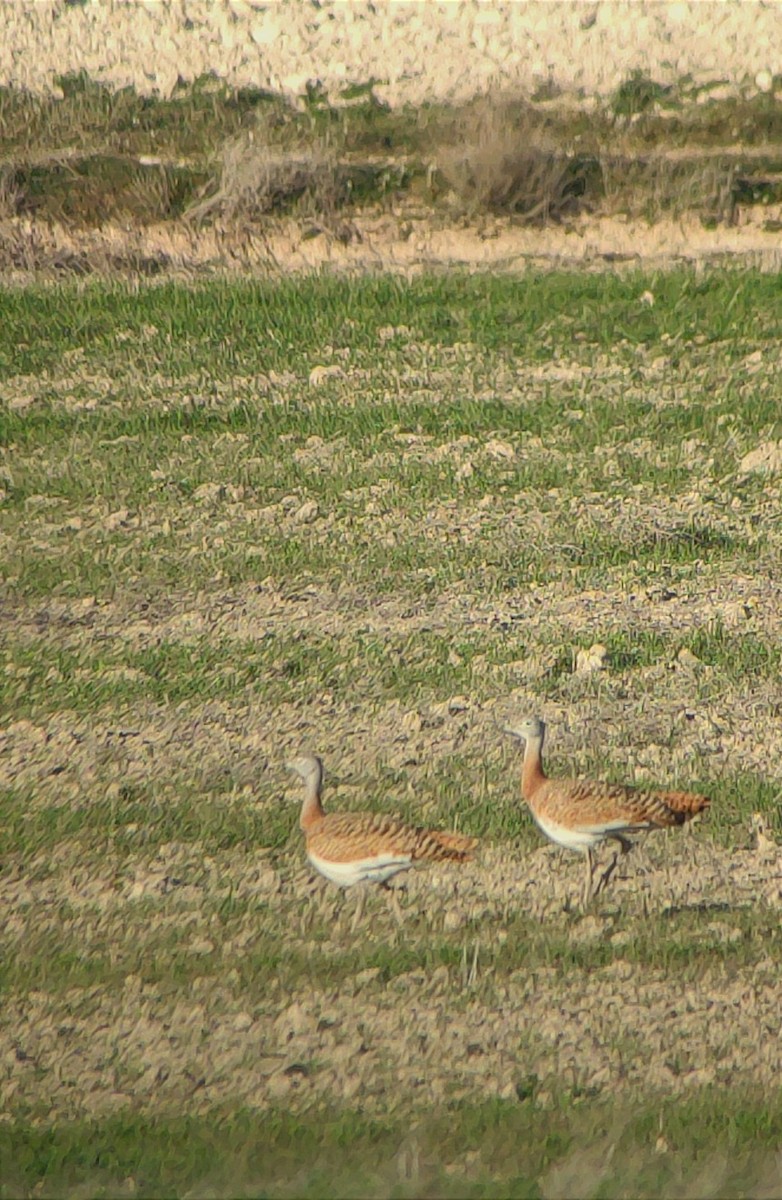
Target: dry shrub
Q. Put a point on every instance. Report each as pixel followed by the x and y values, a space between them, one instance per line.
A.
pixel 258 178
pixel 502 160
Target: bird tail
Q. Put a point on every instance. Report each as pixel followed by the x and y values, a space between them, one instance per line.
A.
pixel 437 845
pixel 684 804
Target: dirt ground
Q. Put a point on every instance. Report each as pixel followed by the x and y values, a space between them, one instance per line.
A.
pixel 434 1031
pixel 403 243
pixel 166 949
pixel 414 52
pixel 185 999
pixel 427 1034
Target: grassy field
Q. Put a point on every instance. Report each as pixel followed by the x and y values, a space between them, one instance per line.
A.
pixel 376 519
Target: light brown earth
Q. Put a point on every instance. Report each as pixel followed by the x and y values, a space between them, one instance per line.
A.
pixel 435 1031
pixel 404 243
pixel 416 52
pixel 484 997
pixel 496 978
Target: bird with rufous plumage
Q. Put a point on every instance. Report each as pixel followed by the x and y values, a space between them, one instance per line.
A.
pixel 580 814
pixel 350 848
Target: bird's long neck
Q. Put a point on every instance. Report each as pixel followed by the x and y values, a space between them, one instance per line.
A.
pixel 312 809
pixel 532 773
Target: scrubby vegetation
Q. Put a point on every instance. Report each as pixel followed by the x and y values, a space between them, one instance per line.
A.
pixel 209 152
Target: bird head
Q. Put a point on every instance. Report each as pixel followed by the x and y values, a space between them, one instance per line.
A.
pixel 526 729
pixel 308 767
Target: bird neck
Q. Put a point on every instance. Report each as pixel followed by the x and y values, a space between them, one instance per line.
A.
pixel 312 809
pixel 532 773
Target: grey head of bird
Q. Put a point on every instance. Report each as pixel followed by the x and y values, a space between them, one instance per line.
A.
pixel 526 729
pixel 308 767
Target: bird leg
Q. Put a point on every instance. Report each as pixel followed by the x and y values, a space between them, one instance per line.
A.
pixel 605 878
pixel 393 903
pixel 323 904
pixel 589 873
pixel 359 910
pixel 625 847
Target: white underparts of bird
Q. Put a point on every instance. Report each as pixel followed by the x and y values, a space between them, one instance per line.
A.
pixel 579 814
pixel 355 847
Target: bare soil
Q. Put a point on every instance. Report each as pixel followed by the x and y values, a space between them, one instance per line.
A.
pixel 414 53
pixel 406 243
pixel 435 1031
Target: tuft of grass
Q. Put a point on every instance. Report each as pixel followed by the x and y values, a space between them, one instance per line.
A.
pixel 505 161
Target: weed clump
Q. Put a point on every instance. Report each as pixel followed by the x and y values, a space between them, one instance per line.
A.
pixel 637 94
pixel 505 161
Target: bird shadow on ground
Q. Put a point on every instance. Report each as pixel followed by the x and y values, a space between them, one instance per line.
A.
pixel 704 906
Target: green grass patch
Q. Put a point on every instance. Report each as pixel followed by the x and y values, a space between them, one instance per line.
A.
pixel 737 655
pixel 715 1142
pixel 90 950
pixel 420 667
pixel 136 816
pixel 234 327
pixel 191 408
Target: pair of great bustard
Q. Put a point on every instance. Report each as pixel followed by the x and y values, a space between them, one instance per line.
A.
pixel 355 847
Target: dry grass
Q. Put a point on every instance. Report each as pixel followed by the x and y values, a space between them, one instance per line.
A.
pixel 10 194
pixel 244 158
pixel 504 160
pixel 258 178
pixel 658 185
